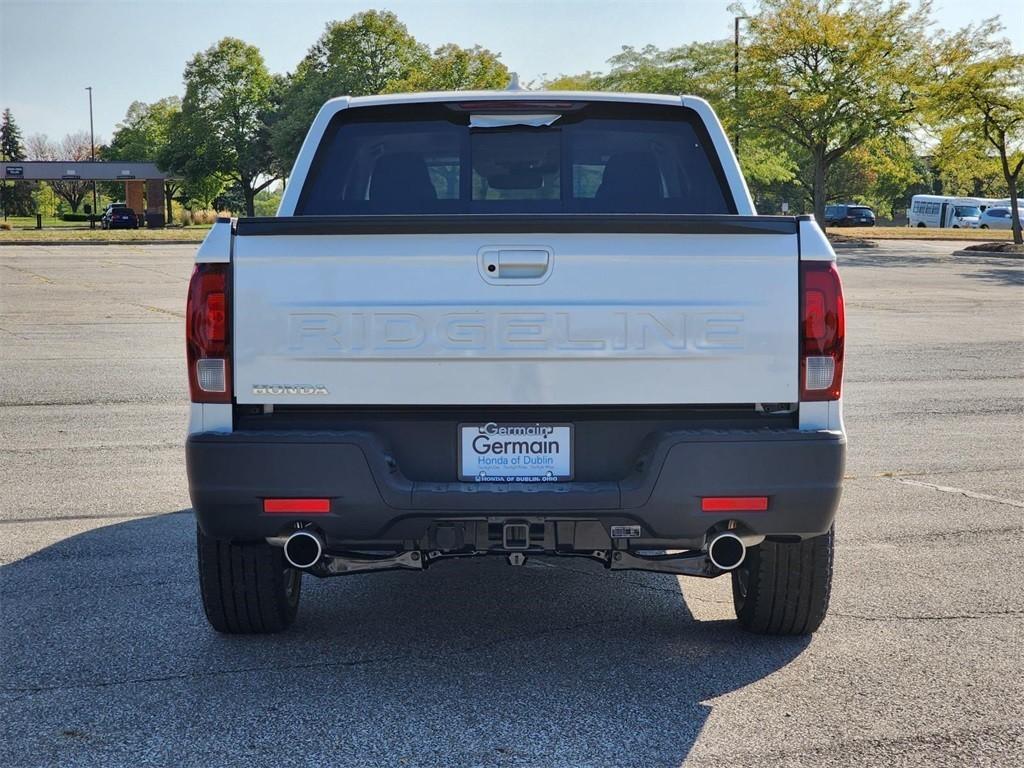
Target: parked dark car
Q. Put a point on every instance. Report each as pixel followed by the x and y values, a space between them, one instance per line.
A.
pixel 119 216
pixel 849 216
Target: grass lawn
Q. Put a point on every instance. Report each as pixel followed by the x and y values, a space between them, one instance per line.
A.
pixel 55 230
pixel 919 233
pixel 80 235
pixel 29 222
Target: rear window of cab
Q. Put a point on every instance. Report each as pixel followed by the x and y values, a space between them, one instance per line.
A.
pixel 441 159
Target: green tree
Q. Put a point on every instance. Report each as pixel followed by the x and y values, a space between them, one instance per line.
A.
pixel 769 171
pixel 11 145
pixel 829 75
pixel 698 69
pixel 144 130
pixel 223 126
pixel 267 202
pixel 585 81
pixel 357 57
pixel 967 167
pixel 44 200
pixel 978 97
pixel 15 197
pixel 452 68
pixel 200 192
pixel 877 173
pixel 140 138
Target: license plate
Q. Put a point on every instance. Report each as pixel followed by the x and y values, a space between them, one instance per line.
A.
pixel 509 453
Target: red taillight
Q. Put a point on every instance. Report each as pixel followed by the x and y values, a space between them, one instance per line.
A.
pixel 822 331
pixel 814 314
pixel 206 335
pixel 516 105
pixel 297 506
pixel 734 504
pixel 216 316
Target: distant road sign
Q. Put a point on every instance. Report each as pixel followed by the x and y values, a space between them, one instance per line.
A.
pixel 14 171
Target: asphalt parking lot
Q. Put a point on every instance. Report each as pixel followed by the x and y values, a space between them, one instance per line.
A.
pixel 107 659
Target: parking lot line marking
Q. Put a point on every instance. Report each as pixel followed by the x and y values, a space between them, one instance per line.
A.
pixel 962 492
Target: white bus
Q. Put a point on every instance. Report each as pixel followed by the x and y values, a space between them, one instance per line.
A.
pixel 951 212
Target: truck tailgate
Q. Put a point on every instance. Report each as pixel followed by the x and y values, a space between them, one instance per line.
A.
pixel 544 318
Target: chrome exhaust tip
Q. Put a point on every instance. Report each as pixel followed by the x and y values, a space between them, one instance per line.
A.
pixel 303 549
pixel 726 551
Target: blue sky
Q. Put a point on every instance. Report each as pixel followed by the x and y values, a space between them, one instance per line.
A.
pixel 136 50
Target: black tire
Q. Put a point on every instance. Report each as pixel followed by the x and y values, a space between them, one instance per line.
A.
pixel 246 588
pixel 783 589
pixel 984 226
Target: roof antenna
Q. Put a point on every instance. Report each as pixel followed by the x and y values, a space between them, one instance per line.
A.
pixel 513 83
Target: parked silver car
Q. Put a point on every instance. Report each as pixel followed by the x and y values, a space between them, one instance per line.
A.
pixel 998 217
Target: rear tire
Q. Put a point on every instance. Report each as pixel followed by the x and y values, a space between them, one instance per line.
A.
pixel 783 589
pixel 246 588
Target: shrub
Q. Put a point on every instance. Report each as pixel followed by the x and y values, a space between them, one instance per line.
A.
pixel 6 225
pixel 78 217
pixel 203 217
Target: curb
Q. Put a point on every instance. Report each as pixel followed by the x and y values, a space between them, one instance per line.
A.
pixel 842 246
pixel 989 254
pixel 951 240
pixel 99 242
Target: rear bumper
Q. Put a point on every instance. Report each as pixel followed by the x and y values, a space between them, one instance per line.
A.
pixel 374 504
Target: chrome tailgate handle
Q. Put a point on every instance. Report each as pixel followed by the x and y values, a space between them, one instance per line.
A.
pixel 519 264
pixel 515 265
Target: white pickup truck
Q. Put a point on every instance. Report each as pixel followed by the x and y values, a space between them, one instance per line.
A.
pixel 516 323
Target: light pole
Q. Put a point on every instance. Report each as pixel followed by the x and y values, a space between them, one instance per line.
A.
pixel 736 83
pixel 92 157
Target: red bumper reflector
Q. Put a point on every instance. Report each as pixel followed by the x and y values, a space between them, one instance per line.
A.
pixel 290 506
pixel 734 504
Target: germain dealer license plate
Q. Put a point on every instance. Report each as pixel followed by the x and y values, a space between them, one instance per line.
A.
pixel 510 453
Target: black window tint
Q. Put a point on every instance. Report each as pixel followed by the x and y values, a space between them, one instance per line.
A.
pixel 599 158
pixel 515 164
pixel 623 165
pixel 380 167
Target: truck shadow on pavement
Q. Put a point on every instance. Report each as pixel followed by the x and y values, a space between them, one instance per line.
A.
pixel 107 658
pixel 1000 276
pixel 867 257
